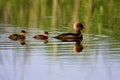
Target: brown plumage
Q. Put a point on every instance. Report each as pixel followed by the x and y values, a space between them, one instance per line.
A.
pixel 78 27
pixel 18 36
pixel 69 37
pixel 42 37
pixel 72 36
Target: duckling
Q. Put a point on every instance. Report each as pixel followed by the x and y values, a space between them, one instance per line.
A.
pixel 18 36
pixel 42 37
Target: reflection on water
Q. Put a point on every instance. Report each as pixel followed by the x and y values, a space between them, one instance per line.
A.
pixel 22 42
pixel 78 47
pixel 96 57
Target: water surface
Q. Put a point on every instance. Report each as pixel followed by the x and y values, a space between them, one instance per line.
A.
pixel 97 57
pixel 57 60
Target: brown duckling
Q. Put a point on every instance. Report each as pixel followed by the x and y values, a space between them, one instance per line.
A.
pixel 42 37
pixel 18 36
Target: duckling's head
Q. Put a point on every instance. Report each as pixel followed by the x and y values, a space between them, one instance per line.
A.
pixel 45 33
pixel 23 32
pixel 78 26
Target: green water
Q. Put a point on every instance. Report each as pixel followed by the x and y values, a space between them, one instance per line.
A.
pixel 97 57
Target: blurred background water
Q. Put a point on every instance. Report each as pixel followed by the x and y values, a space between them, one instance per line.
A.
pixel 97 57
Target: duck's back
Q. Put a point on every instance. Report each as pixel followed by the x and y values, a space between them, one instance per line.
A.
pixel 68 36
pixel 14 36
pixel 21 37
pixel 42 37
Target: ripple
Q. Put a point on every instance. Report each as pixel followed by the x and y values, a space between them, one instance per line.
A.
pixel 93 42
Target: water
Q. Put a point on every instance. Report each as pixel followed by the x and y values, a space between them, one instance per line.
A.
pixel 97 57
pixel 35 60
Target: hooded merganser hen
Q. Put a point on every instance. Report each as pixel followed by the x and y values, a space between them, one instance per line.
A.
pixel 18 36
pixel 42 37
pixel 72 36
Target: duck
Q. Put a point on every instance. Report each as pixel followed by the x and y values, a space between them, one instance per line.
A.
pixel 72 36
pixel 18 36
pixel 42 36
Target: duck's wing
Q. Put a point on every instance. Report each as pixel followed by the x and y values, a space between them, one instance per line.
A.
pixel 13 35
pixel 65 35
pixel 21 37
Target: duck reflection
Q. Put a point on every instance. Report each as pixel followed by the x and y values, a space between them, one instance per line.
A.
pixel 22 42
pixel 78 47
pixel 45 41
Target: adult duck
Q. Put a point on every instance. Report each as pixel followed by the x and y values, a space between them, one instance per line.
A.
pixel 72 36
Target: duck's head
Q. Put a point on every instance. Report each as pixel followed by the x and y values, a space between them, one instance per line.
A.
pixel 78 26
pixel 45 33
pixel 23 32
